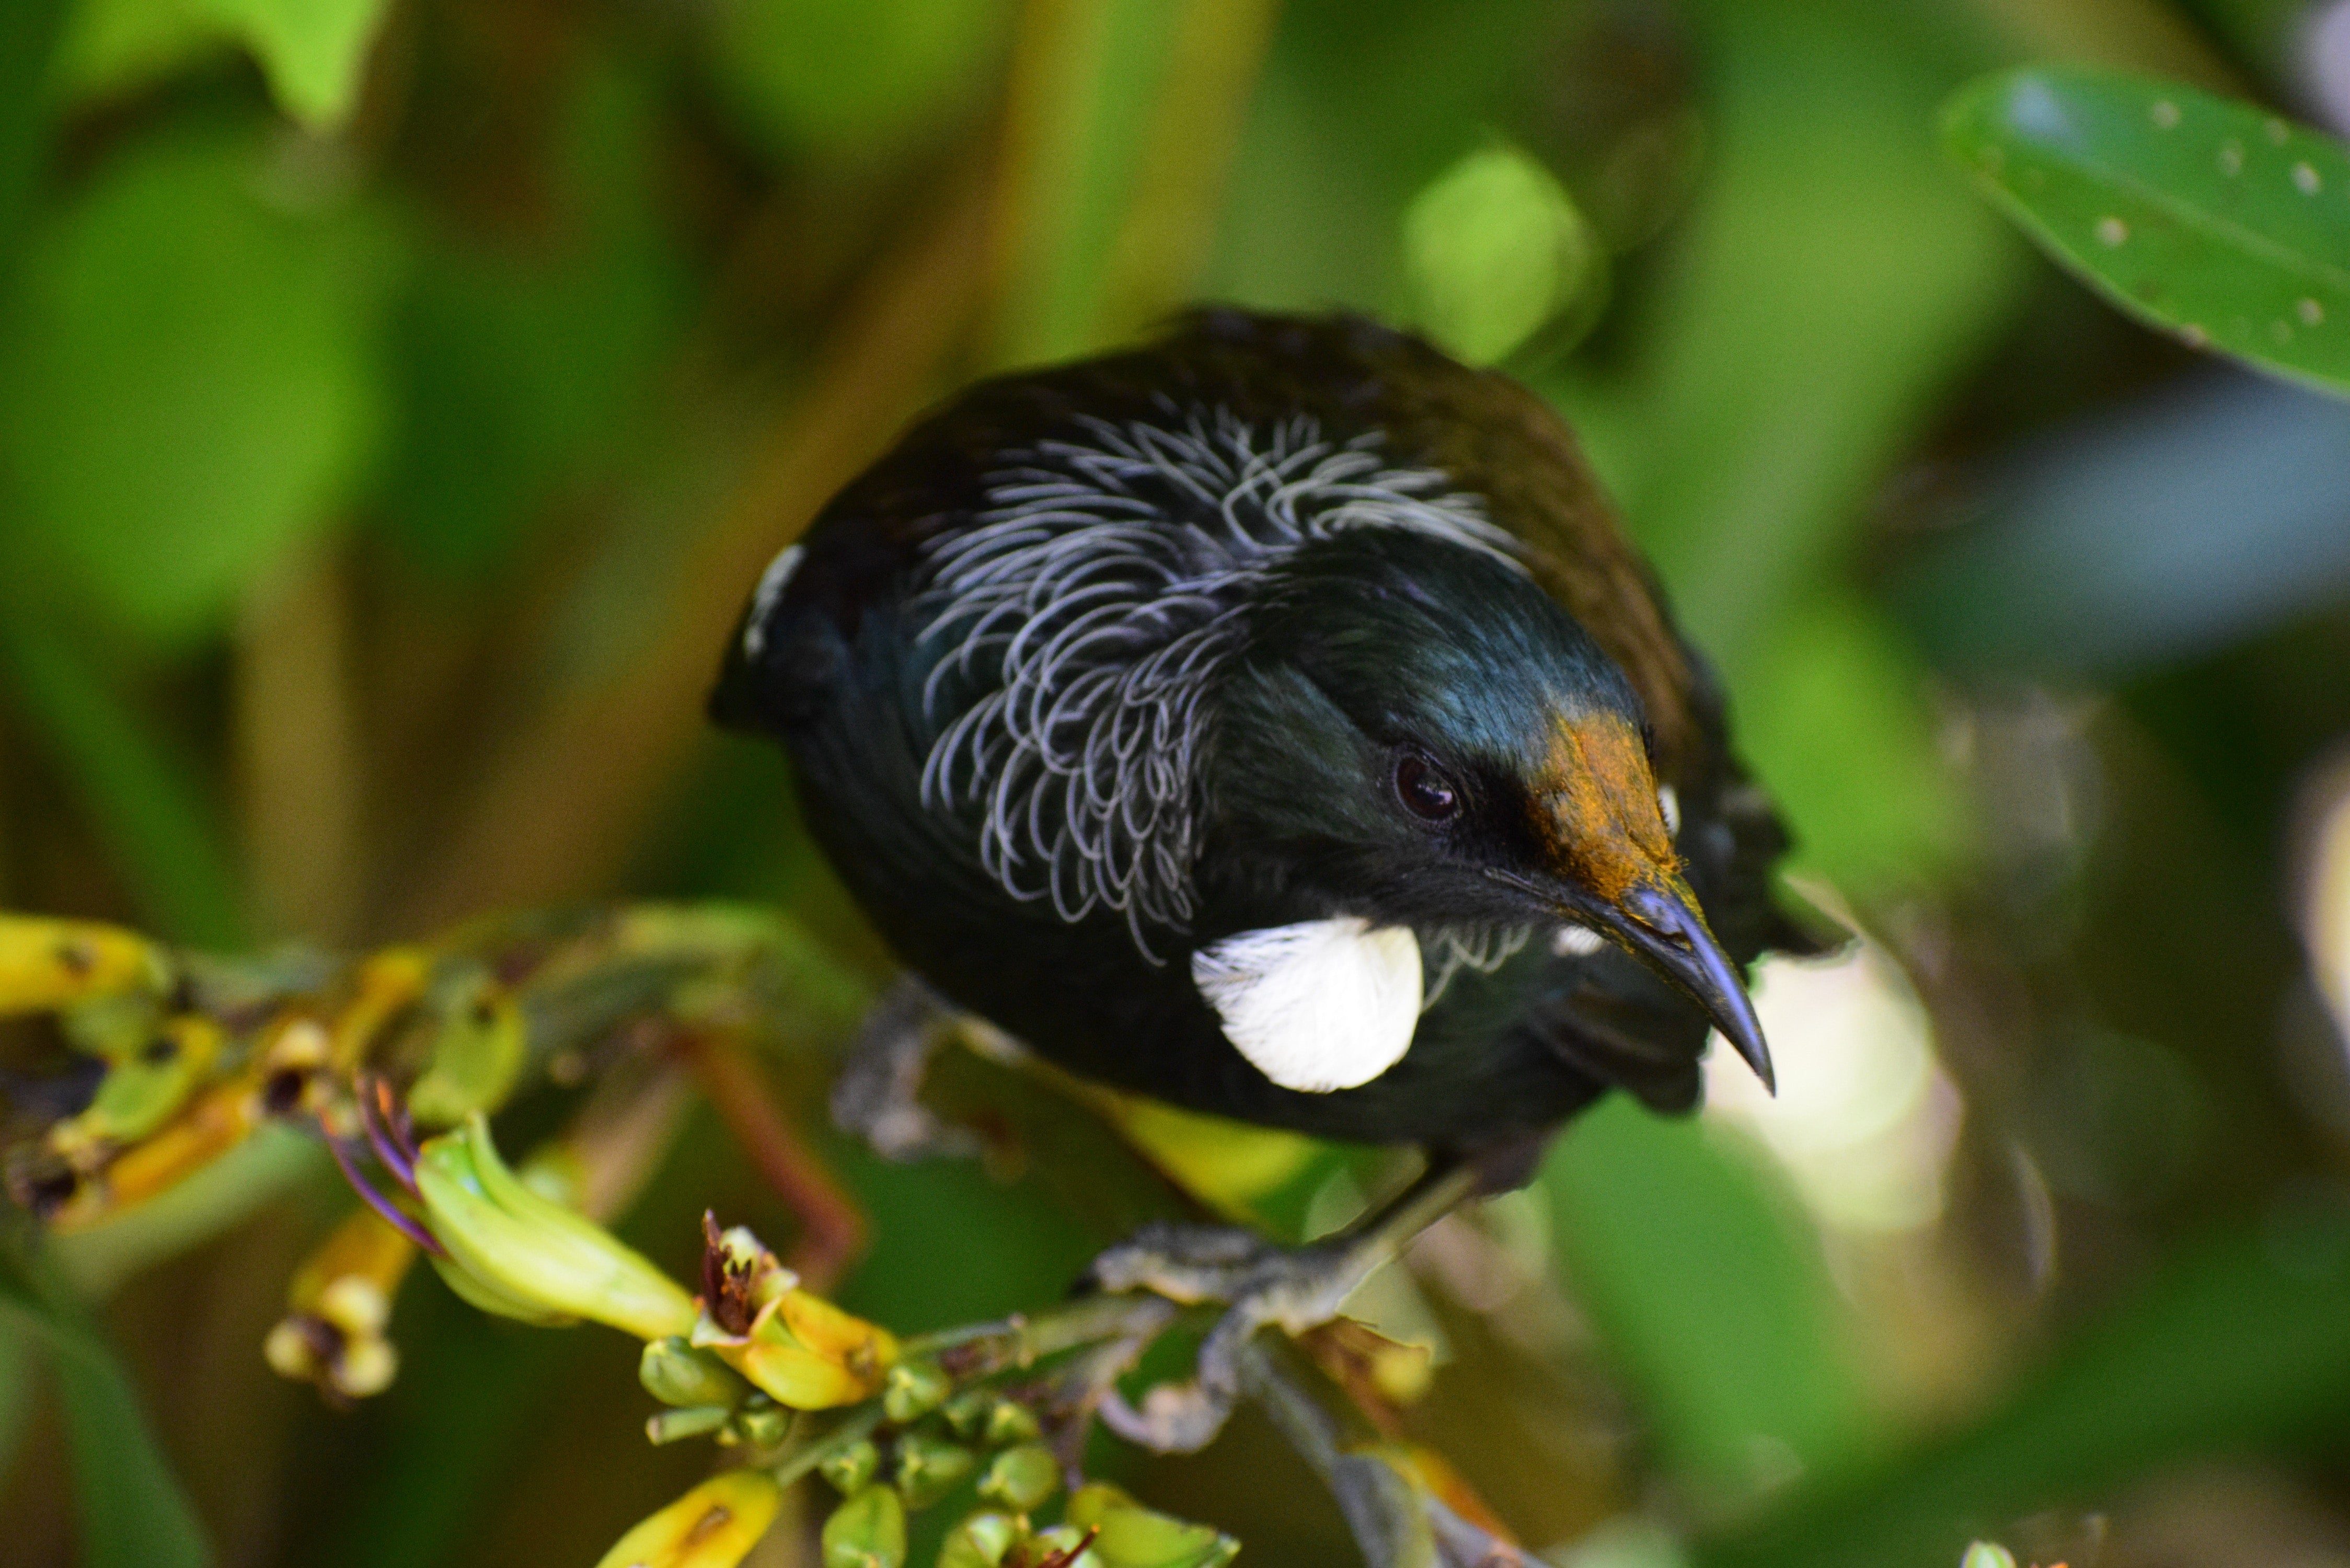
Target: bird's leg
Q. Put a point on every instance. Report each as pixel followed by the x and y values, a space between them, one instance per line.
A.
pixel 878 1096
pixel 1261 1285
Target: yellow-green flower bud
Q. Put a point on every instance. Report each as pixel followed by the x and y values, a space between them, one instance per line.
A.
pixel 675 1372
pixel 1987 1555
pixel 1008 1422
pixel 1132 1536
pixel 913 1389
pixel 142 1088
pixel 928 1467
pixel 478 1051
pixel 537 1253
pixel 852 1469
pixel 337 1307
pixel 1021 1478
pixel 714 1526
pixel 967 1411
pixel 868 1531
pixel 983 1541
pixel 762 1424
pixel 674 1426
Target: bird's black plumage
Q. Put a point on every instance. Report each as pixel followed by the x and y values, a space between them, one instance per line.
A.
pixel 1278 621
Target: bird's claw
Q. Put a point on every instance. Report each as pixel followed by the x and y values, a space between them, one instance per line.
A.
pixel 1185 1263
pixel 1261 1286
pixel 878 1095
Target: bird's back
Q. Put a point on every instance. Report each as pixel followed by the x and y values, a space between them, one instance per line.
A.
pixel 988 660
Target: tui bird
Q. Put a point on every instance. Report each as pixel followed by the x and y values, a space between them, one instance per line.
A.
pixel 1274 720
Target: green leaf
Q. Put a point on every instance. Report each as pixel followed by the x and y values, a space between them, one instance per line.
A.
pixel 117 45
pixel 2212 219
pixel 2240 1345
pixel 30 31
pixel 522 368
pixel 1834 717
pixel 1088 94
pixel 132 1513
pixel 149 808
pixel 1495 247
pixel 1708 1288
pixel 314 52
pixel 188 387
pixel 1834 280
pixel 846 75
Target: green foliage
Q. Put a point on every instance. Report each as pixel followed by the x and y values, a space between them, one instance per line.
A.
pixel 1832 716
pixel 868 1530
pixel 132 1513
pixel 845 76
pixel 29 38
pixel 190 387
pixel 1708 1288
pixel 147 802
pixel 314 52
pixel 1090 100
pixel 2238 1346
pixel 517 365
pixel 1494 248
pixel 2214 219
pixel 1835 280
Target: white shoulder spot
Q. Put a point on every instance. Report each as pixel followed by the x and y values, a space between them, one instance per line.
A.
pixel 772 583
pixel 1317 1006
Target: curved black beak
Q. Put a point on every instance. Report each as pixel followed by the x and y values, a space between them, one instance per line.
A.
pixel 1661 926
pixel 1657 922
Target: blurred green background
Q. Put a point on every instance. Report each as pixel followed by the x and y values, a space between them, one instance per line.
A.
pixel 398 397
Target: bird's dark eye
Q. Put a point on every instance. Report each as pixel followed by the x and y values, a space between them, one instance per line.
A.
pixel 1426 793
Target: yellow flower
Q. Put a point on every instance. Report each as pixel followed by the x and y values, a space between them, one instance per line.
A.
pixel 338 1306
pixel 714 1526
pixel 805 1352
pixel 211 1124
pixel 800 1349
pixel 515 1252
pixel 48 964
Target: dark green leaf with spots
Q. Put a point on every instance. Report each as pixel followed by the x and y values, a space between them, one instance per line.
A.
pixel 2213 219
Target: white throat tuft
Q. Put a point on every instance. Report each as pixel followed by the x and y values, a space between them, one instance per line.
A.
pixel 1316 1006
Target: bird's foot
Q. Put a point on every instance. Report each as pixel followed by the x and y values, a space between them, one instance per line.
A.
pixel 878 1096
pixel 1261 1285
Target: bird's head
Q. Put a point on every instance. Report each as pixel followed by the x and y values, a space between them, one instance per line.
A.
pixel 1421 736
